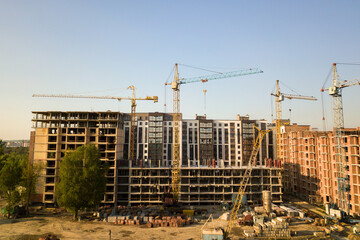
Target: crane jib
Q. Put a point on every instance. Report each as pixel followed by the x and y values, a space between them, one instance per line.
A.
pixel 220 76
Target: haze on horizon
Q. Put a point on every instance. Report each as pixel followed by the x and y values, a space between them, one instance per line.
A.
pixel 102 47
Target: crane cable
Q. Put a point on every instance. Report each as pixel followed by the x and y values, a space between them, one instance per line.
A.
pixel 349 63
pixel 204 83
pixel 271 103
pixel 290 110
pixel 323 111
pixel 289 88
pixel 272 108
pixel 167 80
pixel 322 100
pixel 322 91
pixel 289 99
pixel 204 90
pixel 164 98
pixel 199 68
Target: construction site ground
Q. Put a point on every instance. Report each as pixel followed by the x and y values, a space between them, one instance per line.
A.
pixel 305 205
pixel 62 225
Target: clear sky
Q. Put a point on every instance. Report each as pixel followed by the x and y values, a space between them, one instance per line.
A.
pixel 102 47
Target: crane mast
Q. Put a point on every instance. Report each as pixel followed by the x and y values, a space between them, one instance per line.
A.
pixel 343 182
pixel 132 123
pixel 175 173
pixel 245 179
pixel 175 85
pixel 335 90
pixel 278 100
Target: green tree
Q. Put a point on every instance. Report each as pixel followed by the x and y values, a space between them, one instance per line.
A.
pixel 82 180
pixel 11 178
pixel 30 175
pixel 2 147
pixel 17 150
pixel 2 158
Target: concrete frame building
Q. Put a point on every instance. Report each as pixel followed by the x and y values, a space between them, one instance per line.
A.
pixel 310 169
pixel 58 132
pixel 214 155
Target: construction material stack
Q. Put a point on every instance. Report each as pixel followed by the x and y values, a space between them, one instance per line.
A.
pixel 276 228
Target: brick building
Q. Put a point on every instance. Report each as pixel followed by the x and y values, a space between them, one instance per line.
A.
pixel 310 170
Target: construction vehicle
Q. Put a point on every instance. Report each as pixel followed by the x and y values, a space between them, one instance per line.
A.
pixel 279 97
pixel 175 85
pixel 133 99
pixel 245 180
pixel 335 91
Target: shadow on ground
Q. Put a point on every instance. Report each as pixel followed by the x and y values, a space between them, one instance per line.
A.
pixel 12 221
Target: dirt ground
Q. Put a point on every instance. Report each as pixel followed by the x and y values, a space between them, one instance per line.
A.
pixel 65 228
pixel 62 225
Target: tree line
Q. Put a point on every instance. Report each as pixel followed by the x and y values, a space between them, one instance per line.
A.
pixel 17 178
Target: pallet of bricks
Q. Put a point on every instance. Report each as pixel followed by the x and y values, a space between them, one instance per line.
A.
pixel 121 220
pixel 275 228
pixel 166 221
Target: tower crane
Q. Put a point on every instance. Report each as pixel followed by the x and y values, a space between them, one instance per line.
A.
pixel 175 85
pixel 335 91
pixel 133 99
pixel 279 97
pixel 245 180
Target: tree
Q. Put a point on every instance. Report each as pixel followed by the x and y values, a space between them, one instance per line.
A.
pixel 82 180
pixel 17 179
pixel 11 178
pixel 30 174
pixel 17 150
pixel 2 158
pixel 2 147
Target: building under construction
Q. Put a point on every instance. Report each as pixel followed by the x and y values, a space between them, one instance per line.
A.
pixel 214 155
pixel 310 167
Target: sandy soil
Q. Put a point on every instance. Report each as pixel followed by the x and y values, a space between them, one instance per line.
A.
pixel 310 207
pixel 65 228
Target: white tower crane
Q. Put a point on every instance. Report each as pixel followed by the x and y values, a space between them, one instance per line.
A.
pixel 335 91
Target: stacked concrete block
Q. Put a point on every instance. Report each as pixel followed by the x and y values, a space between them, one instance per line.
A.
pixel 274 229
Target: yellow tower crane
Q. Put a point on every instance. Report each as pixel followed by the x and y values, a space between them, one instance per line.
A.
pixel 279 97
pixel 245 180
pixel 175 85
pixel 133 99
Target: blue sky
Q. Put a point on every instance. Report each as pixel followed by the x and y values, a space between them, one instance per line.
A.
pixel 102 47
